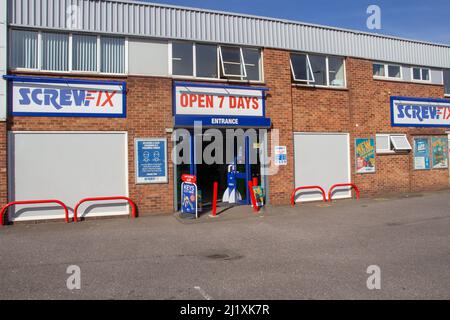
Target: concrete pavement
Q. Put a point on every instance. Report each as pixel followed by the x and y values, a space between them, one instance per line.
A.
pixel 312 251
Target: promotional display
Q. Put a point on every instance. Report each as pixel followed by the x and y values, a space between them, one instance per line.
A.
pixel 219 105
pixel 280 155
pixel 151 160
pixel 439 150
pixel 189 198
pixel 421 154
pixel 231 194
pixel 365 155
pixel 420 112
pixel 258 191
pixel 67 97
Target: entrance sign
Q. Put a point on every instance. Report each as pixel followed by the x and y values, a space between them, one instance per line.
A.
pixel 439 150
pixel 419 112
pixel 56 97
pixel 151 160
pixel 219 105
pixel 421 154
pixel 189 198
pixel 280 155
pixel 365 155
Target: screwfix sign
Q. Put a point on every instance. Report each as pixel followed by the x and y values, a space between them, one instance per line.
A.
pixel 218 105
pixel 420 112
pixel 67 97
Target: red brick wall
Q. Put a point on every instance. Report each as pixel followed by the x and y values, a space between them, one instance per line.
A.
pixel 149 112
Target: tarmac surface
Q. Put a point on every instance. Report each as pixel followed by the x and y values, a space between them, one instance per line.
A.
pixel 312 251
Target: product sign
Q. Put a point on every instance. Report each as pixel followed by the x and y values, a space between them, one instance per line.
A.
pixel 258 191
pixel 418 112
pixel 439 151
pixel 365 155
pixel 219 105
pixel 151 160
pixel 280 155
pixel 189 198
pixel 421 154
pixel 56 97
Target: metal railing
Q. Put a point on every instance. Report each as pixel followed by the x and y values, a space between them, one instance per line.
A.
pixel 132 205
pixel 307 188
pixel 344 185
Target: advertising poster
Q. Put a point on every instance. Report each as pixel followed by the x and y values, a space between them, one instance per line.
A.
pixel 365 155
pixel 280 155
pixel 421 154
pixel 189 198
pixel 151 160
pixel 259 195
pixel 439 150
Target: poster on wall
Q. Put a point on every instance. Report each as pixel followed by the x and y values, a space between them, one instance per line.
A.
pixel 151 160
pixel 280 155
pixel 365 155
pixel 421 154
pixel 439 151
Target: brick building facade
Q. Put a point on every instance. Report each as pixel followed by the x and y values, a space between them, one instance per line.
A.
pixel 361 108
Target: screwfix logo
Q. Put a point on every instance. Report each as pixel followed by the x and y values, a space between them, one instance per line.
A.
pixel 68 99
pixel 420 112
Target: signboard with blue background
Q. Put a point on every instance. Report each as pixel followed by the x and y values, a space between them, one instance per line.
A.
pixel 189 198
pixel 151 160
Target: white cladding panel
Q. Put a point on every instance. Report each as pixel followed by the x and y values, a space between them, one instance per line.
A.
pixel 170 22
pixel 67 166
pixel 321 159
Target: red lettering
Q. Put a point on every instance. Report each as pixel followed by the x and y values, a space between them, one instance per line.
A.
pixel 247 102
pixel 209 101
pixel 184 100
pixel 201 100
pixel 232 102
pixel 108 98
pixel 192 100
pixel 255 104
pixel 241 103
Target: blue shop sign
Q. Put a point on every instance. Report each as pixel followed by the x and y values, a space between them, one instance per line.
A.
pixel 219 105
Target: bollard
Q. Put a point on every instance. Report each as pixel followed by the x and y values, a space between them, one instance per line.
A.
pixel 214 203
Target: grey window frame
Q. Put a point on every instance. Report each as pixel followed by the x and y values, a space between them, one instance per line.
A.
pixel 241 63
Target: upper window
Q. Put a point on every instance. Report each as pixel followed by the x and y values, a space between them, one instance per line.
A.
pixel 388 71
pixel 63 52
pixel 84 53
pixel 24 49
pixel 318 70
pixel 55 51
pixel 232 62
pixel 389 143
pixel 206 61
pixel 182 59
pixel 215 62
pixel 421 74
pixel 447 81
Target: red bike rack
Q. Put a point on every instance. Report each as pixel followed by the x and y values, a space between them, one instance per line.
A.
pixel 307 188
pixel 132 205
pixel 2 212
pixel 344 185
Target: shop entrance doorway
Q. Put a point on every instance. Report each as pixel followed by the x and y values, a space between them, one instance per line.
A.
pixel 214 157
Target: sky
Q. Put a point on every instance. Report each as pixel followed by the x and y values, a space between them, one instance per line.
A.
pixel 426 20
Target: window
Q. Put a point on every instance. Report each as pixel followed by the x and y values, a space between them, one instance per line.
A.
pixel 421 74
pixel 394 71
pixel 336 72
pixel 112 55
pixel 182 59
pixel 84 53
pixel 55 51
pixel 379 70
pixel 24 49
pixel 318 70
pixel 390 143
pixel 447 82
pixel 301 68
pixel 252 58
pixel 387 71
pixel 201 60
pixel 232 62
pixel 64 52
pixel 206 61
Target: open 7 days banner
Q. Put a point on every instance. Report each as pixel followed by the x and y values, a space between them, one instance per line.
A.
pixel 419 112
pixel 67 97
